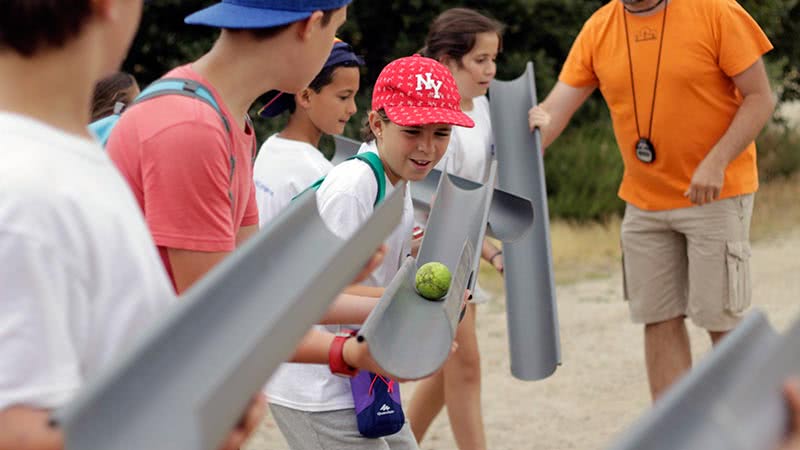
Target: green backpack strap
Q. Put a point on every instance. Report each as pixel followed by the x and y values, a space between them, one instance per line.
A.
pixel 374 162
pixel 376 165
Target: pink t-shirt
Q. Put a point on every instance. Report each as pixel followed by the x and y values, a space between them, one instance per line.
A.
pixel 175 153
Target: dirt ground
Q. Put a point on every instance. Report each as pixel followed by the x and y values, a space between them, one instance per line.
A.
pixel 601 387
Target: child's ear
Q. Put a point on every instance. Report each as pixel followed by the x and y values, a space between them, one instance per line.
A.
pixel 104 8
pixel 449 62
pixel 376 124
pixel 303 98
pixel 306 27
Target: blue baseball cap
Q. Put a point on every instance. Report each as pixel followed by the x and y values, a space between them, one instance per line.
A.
pixel 254 14
pixel 341 54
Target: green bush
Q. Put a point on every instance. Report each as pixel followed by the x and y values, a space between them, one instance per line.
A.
pixel 583 169
pixel 583 166
pixel 778 152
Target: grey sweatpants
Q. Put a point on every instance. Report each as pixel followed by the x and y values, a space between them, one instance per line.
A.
pixel 334 430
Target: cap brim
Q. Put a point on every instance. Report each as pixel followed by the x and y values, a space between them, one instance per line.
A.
pixel 411 116
pixel 226 15
pixel 277 102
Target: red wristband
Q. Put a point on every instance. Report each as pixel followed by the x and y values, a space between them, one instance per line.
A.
pixel 336 356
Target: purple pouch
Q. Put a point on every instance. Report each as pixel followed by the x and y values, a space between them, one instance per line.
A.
pixel 377 403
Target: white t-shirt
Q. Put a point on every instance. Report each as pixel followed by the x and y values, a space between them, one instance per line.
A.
pixel 471 149
pixel 345 200
pixel 80 277
pixel 469 155
pixel 283 169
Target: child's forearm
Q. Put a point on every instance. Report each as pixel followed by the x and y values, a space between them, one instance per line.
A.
pixel 348 308
pixel 314 347
pixel 364 291
pixel 24 428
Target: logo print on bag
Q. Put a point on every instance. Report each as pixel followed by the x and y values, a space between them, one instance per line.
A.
pixel 385 409
pixel 429 84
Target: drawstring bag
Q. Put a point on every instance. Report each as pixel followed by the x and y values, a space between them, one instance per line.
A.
pixel 377 403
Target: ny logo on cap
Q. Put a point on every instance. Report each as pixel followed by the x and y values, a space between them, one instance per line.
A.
pixel 429 84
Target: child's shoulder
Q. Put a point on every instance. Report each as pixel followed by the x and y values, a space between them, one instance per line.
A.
pixel 351 177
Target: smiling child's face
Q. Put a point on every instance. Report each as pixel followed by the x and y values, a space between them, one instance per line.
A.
pixel 409 153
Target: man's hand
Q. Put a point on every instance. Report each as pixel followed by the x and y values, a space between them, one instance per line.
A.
pixel 538 118
pixel 497 262
pixel 792 391
pixel 247 424
pixel 707 181
pixel 372 264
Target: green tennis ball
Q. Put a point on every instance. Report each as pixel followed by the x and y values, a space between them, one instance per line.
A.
pixel 433 280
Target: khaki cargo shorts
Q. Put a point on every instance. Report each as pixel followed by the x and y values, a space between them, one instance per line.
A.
pixel 692 262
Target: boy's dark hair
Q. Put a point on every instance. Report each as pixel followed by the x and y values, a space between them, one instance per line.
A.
pixel 323 78
pixel 268 33
pixel 453 33
pixel 27 26
pixel 366 131
pixel 109 91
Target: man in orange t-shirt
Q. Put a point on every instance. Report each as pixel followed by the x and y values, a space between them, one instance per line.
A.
pixel 688 93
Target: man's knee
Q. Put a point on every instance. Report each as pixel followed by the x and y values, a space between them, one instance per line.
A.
pixel 674 327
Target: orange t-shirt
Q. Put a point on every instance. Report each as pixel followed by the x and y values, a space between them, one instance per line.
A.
pixel 707 42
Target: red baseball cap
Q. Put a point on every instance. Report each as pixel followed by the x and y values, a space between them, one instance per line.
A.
pixel 416 90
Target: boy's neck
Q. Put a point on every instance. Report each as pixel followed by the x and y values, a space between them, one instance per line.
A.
pixel 232 67
pixel 467 104
pixel 50 87
pixel 301 128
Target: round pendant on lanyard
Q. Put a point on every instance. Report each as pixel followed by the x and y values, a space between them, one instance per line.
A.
pixel 645 151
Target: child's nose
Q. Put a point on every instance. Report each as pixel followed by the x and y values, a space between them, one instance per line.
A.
pixel 425 144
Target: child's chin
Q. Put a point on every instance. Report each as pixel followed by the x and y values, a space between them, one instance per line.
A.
pixel 420 175
pixel 334 131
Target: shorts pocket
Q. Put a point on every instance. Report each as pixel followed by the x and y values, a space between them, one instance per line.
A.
pixel 738 261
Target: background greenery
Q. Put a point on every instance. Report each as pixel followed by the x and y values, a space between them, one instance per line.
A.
pixel 583 166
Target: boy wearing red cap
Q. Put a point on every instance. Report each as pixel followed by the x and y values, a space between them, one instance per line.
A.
pixel 415 103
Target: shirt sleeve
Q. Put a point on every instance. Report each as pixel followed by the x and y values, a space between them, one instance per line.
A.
pixel 186 179
pixel 578 70
pixel 251 213
pixel 343 213
pixel 741 40
pixel 42 300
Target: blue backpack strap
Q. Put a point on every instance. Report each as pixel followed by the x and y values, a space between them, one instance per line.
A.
pixel 164 86
pixel 101 128
pixel 374 162
pixel 193 89
pixel 182 86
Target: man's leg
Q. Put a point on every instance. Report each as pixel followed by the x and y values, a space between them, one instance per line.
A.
pixel 655 282
pixel 718 241
pixel 667 352
pixel 716 336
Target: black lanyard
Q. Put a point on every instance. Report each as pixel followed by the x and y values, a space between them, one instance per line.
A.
pixel 645 151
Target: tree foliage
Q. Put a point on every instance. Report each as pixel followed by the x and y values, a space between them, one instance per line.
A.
pixel 538 30
pixel 541 31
